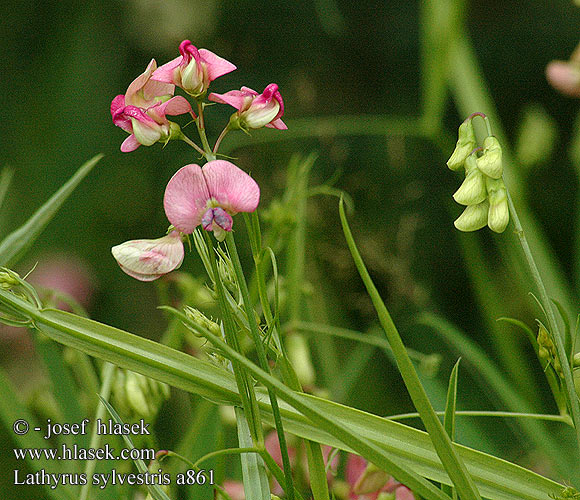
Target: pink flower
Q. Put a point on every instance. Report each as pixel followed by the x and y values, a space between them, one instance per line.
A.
pixel 209 196
pixel 255 110
pixel 564 76
pixel 142 111
pixel 235 489
pixel 147 260
pixel 367 481
pixel 193 70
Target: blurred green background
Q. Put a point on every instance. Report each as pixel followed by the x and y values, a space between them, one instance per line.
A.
pixel 63 62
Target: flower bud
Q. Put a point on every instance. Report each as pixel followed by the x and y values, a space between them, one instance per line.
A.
pixel 137 395
pixel 9 279
pixel 472 190
pixel 466 143
pixel 371 480
pixel 490 162
pixel 199 318
pixel 147 260
pixel 385 495
pixel 499 214
pixel 474 217
pixel 299 355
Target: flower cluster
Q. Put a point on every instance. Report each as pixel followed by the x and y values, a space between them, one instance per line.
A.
pixel 208 195
pixel 483 191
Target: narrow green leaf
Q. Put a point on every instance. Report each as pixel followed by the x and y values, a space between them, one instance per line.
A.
pixel 15 245
pixel 409 448
pixel 450 409
pixel 5 180
pixel 453 464
pixel 154 489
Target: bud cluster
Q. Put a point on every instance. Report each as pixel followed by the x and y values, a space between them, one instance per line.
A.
pixel 483 191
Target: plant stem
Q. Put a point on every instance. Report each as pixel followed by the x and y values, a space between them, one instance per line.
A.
pixel 557 336
pixel 220 138
pixel 262 359
pixel 201 130
pixel 187 140
pixel 108 375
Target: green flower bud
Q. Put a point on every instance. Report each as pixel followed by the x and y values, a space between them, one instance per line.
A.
pixel 299 355
pixel 8 279
pixel 466 143
pixel 490 162
pixel 576 374
pixel 472 190
pixel 371 480
pixel 499 214
pixel 473 217
pixel 383 495
pixel 137 395
pixel 199 318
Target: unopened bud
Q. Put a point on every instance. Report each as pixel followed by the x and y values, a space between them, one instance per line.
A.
pixel 137 395
pixel 472 190
pixel 9 279
pixel 473 217
pixel 499 214
pixel 490 162
pixel 200 319
pixel 299 355
pixel 466 143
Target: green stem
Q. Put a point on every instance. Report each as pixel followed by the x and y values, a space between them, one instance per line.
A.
pixel 108 375
pixel 263 361
pixel 245 387
pixel 208 153
pixel 220 138
pixel 564 419
pixel 188 141
pixel 442 443
pixel 557 335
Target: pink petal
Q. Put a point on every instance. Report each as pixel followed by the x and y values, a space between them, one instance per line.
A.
pixel 277 124
pixel 355 467
pixel 231 187
pixel 186 197
pixel 130 144
pixel 177 105
pixel 147 260
pixel 216 66
pixel 118 114
pixel 150 89
pixel 165 73
pixel 564 77
pixel 117 103
pixel 235 98
pixel 404 493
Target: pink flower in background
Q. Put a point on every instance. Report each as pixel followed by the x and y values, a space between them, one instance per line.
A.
pixel 564 76
pixel 193 70
pixel 367 481
pixel 142 110
pixel 147 260
pixel 209 196
pixel 235 489
pixel 255 110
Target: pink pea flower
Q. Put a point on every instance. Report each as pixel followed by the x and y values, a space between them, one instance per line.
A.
pixel 367 481
pixel 209 196
pixel 254 110
pixel 235 489
pixel 564 76
pixel 147 260
pixel 142 111
pixel 193 70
